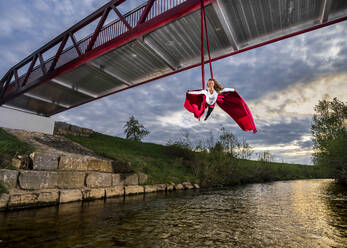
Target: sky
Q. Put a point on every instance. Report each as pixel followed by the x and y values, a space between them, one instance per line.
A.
pixel 281 82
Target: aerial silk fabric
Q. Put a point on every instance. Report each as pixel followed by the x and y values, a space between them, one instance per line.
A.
pixel 231 102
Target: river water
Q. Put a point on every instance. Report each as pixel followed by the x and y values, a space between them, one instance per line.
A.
pixel 302 213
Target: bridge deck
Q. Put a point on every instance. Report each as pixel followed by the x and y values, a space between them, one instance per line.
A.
pixel 156 39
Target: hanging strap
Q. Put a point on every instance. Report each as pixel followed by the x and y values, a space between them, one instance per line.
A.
pixel 202 20
pixel 202 43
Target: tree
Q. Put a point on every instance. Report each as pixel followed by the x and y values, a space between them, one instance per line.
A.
pixel 330 137
pixel 134 130
pixel 228 141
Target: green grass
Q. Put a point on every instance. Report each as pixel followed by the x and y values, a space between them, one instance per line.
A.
pixel 152 159
pixel 9 147
pixel 173 163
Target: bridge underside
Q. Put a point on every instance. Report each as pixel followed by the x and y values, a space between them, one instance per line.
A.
pixel 129 52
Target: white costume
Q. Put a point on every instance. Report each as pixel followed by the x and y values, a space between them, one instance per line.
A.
pixel 210 98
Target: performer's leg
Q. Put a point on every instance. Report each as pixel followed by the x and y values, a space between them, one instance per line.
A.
pixel 209 111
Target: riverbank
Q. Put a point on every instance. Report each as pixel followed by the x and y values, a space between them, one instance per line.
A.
pixel 60 171
pixel 80 165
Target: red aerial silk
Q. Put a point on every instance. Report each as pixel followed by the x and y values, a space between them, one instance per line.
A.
pixel 230 101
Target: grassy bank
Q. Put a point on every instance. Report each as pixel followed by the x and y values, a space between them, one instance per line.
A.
pixel 177 164
pixel 10 146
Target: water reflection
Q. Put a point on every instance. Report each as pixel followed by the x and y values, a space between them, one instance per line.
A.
pixel 304 213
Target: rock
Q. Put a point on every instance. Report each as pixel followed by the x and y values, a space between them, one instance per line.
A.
pixel 21 200
pixel 143 178
pixel 130 190
pixel 114 191
pixel 4 198
pixel 70 195
pixel 16 163
pixel 117 180
pixel 38 179
pixel 196 186
pixel 150 188
pixel 85 163
pixel 37 198
pixel 187 185
pixel 95 164
pixel 98 179
pixel 8 178
pixel 130 179
pixel 44 161
pixel 70 179
pixel 179 187
pixel 161 187
pixel 48 196
pixel 170 187
pixel 90 194
pixel 77 163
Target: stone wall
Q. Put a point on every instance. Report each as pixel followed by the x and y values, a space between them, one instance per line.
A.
pixel 62 128
pixel 55 180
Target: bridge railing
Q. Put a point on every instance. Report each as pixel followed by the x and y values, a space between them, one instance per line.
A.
pixel 105 34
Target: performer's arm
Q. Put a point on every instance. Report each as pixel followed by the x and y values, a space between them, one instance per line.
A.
pixel 227 90
pixel 197 92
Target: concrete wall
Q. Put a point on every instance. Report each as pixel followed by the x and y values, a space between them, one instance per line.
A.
pixel 19 120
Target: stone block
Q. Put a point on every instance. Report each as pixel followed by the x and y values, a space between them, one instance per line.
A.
pixel 150 188
pixel 179 187
pixel 70 195
pixel 117 180
pixel 130 190
pixel 98 179
pixel 21 200
pixel 161 187
pixel 76 163
pixel 70 179
pixel 48 196
pixel 114 191
pixel 89 194
pixel 44 161
pixel 85 163
pixel 196 186
pixel 4 198
pixel 130 179
pixel 143 178
pixel 8 178
pixel 95 164
pixel 170 187
pixel 187 185
pixel 38 179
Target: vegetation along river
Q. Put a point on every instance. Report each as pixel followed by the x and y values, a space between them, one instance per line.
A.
pixel 301 213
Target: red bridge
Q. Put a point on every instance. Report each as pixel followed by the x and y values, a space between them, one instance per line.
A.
pixel 157 39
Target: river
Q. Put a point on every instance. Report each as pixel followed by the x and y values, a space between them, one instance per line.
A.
pixel 300 213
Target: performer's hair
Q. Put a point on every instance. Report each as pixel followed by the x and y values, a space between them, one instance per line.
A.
pixel 217 85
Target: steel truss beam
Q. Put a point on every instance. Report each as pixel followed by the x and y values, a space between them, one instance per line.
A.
pixel 325 11
pixel 69 86
pixel 109 73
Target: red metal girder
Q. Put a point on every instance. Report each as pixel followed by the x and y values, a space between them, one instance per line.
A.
pixel 6 84
pixel 57 55
pixel 121 17
pixel 16 78
pixel 145 12
pixel 139 30
pixel 89 19
pixel 30 69
pixel 72 36
pixel 42 64
pixel 97 30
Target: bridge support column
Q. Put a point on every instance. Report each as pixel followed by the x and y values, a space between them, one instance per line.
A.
pixel 11 118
